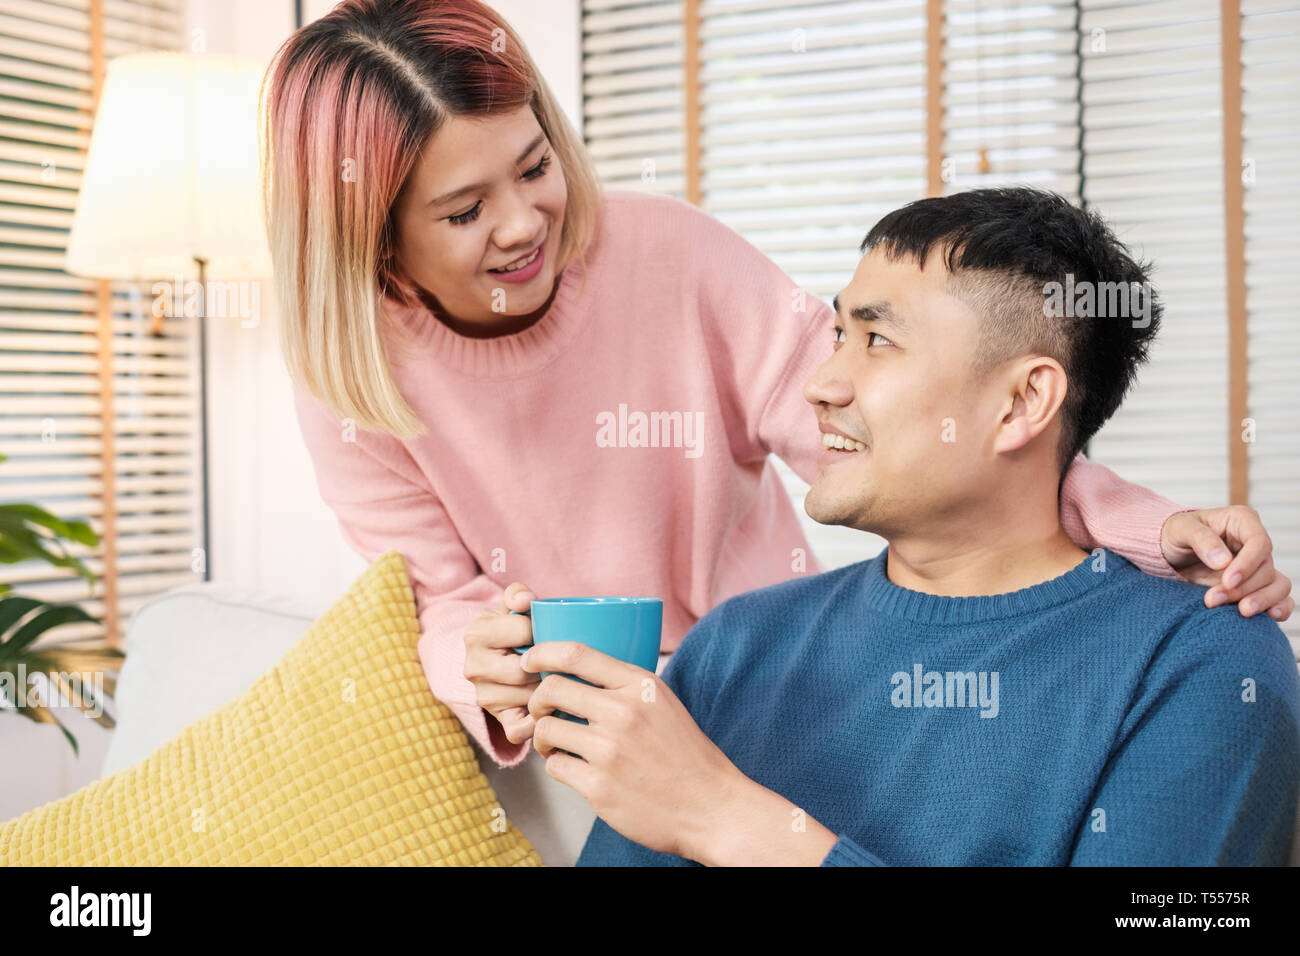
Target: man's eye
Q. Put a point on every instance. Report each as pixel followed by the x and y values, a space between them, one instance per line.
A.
pixel 838 332
pixel 871 340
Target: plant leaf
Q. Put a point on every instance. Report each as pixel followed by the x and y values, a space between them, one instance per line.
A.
pixel 12 609
pixel 50 616
pixel 43 715
pixel 78 531
pixel 19 542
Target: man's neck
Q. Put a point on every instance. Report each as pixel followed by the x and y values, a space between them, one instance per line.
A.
pixel 994 551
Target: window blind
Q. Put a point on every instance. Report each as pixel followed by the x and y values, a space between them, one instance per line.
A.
pixel 633 101
pixel 1011 96
pixel 812 123
pixel 812 116
pixel 1270 39
pixel 51 423
pixel 1153 159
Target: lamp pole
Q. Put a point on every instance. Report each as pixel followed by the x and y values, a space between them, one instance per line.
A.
pixel 203 411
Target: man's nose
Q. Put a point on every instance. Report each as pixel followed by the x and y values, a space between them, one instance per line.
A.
pixel 829 384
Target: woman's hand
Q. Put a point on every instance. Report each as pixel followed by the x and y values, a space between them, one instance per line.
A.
pixel 1200 545
pixel 500 681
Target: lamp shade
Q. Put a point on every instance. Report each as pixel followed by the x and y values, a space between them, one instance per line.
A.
pixel 172 172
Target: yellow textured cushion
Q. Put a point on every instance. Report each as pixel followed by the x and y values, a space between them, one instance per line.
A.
pixel 339 755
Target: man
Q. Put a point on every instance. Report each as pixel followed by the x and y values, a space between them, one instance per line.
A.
pixel 982 692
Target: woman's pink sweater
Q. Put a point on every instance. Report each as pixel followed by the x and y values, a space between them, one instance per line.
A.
pixel 620 445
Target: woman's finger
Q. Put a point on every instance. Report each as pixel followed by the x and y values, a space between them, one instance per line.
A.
pixel 499 698
pixel 1281 612
pixel 518 724
pixel 500 667
pixel 1272 593
pixel 1208 547
pixel 500 631
pixel 517 597
pixel 1256 551
pixel 1261 578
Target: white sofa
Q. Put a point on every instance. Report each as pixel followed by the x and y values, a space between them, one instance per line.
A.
pixel 227 636
pixel 194 648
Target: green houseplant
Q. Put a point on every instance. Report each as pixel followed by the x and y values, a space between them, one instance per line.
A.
pixel 31 533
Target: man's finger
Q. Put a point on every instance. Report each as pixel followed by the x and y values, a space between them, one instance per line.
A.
pixel 571 657
pixel 1281 612
pixel 560 734
pixel 570 696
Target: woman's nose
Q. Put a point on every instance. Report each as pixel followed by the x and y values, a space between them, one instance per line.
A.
pixel 521 224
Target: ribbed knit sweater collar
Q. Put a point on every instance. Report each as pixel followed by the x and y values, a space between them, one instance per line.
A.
pixel 504 356
pixel 884 596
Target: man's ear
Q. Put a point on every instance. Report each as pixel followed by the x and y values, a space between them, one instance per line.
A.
pixel 1035 392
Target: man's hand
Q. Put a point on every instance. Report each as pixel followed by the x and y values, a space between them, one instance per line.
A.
pixel 646 769
pixel 1200 545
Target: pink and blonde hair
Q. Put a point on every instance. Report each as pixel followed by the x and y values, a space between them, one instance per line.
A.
pixel 361 90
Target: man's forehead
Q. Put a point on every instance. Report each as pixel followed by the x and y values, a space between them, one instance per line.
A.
pixel 895 289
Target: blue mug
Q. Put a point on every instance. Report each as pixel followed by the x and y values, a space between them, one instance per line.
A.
pixel 627 628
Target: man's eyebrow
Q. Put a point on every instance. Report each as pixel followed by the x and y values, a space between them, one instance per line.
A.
pixel 448 197
pixel 874 312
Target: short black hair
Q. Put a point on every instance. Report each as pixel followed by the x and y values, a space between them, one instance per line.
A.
pixel 1003 248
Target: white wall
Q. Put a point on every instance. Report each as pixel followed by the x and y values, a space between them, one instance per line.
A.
pixel 269 528
pixel 270 531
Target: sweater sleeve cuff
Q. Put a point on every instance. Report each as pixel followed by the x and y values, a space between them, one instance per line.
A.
pixel 1100 509
pixel 847 853
pixel 442 654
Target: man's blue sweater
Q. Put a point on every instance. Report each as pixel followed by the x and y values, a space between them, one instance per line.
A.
pixel 1104 717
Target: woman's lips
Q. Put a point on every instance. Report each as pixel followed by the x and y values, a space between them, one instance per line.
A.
pixel 527 272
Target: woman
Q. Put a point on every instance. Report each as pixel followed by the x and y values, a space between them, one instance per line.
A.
pixel 478 339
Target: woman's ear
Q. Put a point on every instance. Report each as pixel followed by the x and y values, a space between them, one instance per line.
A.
pixel 1036 387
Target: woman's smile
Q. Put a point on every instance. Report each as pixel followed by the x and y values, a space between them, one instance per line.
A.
pixel 523 269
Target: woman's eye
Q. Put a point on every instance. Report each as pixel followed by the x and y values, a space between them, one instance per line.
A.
pixel 468 216
pixel 838 332
pixel 539 169
pixel 471 214
pixel 871 339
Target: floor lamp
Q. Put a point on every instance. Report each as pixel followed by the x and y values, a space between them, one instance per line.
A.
pixel 170 192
